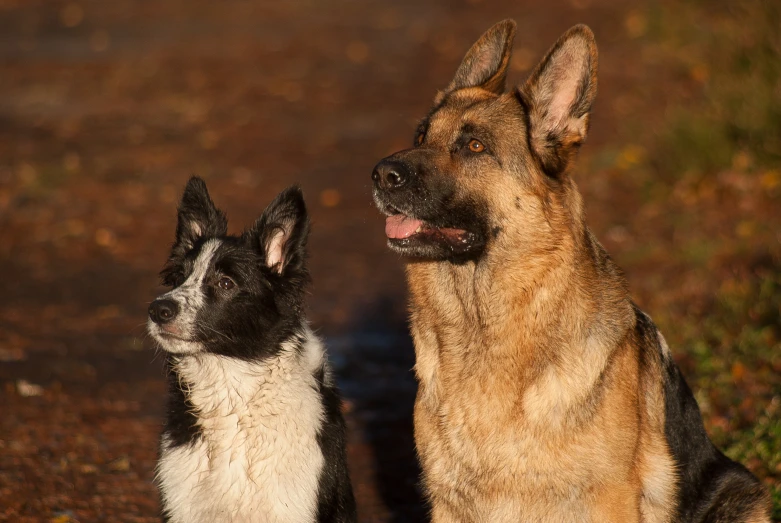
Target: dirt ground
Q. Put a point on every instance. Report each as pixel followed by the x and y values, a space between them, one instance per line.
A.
pixel 106 108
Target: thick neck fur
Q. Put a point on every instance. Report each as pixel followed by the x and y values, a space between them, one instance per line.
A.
pixel 530 306
pixel 219 386
pixel 256 456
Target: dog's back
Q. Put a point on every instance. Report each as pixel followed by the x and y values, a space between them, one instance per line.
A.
pixel 254 431
pixel 708 486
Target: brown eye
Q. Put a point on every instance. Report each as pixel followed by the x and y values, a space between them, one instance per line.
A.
pixel 419 138
pixel 226 283
pixel 475 146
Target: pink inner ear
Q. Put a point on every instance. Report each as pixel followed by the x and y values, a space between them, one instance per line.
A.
pixel 566 78
pixel 274 250
pixel 195 229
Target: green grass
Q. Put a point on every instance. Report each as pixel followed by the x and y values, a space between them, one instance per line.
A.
pixel 727 53
pixel 738 359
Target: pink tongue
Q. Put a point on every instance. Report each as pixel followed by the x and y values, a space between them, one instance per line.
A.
pixel 399 226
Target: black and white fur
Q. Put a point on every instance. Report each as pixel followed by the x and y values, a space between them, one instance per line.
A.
pixel 254 431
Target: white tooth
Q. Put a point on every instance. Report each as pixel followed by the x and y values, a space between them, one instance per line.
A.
pixel 420 228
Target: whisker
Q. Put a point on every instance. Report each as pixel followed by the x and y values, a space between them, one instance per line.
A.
pixel 217 332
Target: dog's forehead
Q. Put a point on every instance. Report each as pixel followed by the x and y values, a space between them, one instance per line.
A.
pixel 195 268
pixel 216 253
pixel 235 255
pixel 466 106
pixel 206 256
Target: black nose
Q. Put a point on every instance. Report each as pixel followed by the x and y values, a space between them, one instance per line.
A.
pixel 389 174
pixel 163 311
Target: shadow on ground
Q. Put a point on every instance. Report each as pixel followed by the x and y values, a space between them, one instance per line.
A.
pixel 375 362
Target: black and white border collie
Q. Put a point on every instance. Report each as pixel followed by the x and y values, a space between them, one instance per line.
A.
pixel 254 431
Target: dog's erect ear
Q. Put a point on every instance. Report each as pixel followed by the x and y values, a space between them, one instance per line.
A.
pixel 558 97
pixel 282 231
pixel 198 217
pixel 485 65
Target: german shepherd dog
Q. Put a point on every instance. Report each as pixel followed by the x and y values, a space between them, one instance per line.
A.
pixel 545 394
pixel 254 431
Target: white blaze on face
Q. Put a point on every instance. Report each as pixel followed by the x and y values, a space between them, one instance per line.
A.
pixel 190 298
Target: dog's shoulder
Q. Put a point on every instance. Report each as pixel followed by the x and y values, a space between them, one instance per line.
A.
pixel 335 501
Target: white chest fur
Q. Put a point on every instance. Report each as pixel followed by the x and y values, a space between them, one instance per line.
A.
pixel 257 459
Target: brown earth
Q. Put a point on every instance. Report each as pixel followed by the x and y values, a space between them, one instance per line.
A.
pixel 106 108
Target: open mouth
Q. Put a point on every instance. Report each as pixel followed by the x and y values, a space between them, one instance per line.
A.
pixel 402 227
pixel 414 236
pixel 430 220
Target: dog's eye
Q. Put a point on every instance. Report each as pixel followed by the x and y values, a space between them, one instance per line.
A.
pixel 475 146
pixel 226 283
pixel 419 138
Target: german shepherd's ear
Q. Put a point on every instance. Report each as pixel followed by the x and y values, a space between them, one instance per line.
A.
pixel 558 97
pixel 198 217
pixel 281 232
pixel 485 65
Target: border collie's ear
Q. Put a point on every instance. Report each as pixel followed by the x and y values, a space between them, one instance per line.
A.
pixel 485 64
pixel 282 231
pixel 558 97
pixel 198 217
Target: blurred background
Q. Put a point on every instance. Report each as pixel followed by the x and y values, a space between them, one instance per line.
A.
pixel 106 108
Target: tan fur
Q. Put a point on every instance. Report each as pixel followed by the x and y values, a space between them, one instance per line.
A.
pixel 536 401
pixel 497 411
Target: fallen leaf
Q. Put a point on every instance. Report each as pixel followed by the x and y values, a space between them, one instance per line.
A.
pixel 27 389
